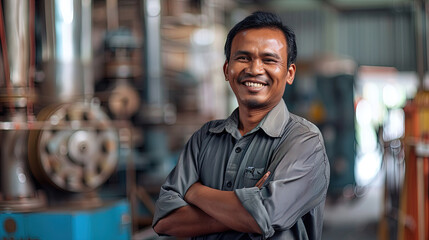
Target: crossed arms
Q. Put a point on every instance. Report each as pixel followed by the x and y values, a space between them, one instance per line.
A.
pixel 186 208
pixel 209 211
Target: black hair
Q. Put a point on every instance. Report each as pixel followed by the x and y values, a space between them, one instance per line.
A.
pixel 263 20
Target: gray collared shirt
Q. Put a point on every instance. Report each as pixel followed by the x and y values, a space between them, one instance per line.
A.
pixel 289 206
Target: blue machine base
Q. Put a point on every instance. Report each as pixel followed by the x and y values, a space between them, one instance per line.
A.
pixel 112 221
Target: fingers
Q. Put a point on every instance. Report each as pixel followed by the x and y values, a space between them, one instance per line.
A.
pixel 261 181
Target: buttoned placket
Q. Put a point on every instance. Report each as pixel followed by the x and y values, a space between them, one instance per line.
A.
pixel 237 155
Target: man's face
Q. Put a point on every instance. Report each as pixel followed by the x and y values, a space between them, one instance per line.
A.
pixel 257 70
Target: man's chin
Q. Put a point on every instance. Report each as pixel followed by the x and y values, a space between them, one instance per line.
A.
pixel 255 104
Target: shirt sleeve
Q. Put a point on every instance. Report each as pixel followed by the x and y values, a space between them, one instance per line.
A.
pixel 179 180
pixel 299 184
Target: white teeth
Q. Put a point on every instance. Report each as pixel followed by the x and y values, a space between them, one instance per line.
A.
pixel 252 84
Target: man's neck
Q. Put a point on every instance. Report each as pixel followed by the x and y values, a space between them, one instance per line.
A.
pixel 250 118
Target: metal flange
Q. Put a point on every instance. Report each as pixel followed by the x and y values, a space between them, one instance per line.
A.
pixel 79 157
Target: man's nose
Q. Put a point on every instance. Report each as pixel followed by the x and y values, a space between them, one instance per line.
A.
pixel 255 67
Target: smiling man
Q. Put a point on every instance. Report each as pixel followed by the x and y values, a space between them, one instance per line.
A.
pixel 262 173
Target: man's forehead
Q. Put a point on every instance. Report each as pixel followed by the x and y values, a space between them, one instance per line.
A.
pixel 269 37
pixel 266 33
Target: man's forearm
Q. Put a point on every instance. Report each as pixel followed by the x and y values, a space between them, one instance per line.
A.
pixel 223 206
pixel 188 221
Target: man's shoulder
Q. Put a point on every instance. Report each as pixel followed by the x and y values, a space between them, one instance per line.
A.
pixel 301 124
pixel 302 139
pixel 299 130
pixel 213 126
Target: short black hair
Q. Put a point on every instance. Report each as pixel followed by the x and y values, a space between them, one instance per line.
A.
pixel 263 20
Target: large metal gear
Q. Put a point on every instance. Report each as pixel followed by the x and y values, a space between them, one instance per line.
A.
pixel 77 148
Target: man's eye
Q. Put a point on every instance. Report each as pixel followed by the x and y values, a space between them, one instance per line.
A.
pixel 270 60
pixel 242 58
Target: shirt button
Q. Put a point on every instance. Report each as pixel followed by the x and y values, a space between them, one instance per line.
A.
pixel 229 184
pixel 237 150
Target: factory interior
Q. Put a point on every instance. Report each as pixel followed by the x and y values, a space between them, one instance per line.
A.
pixel 98 98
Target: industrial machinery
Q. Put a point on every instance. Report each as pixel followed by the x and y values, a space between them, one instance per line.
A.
pixel 86 115
pixel 413 219
pixel 58 145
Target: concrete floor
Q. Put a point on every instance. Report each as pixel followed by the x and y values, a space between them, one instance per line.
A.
pixel 356 219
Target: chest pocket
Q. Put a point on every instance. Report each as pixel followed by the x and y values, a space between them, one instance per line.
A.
pixel 252 176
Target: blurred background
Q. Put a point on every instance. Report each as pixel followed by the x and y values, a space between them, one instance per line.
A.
pixel 97 99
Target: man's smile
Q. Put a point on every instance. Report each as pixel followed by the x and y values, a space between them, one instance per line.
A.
pixel 254 84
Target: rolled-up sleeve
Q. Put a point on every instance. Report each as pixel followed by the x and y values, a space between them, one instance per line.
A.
pixel 185 174
pixel 252 200
pixel 299 184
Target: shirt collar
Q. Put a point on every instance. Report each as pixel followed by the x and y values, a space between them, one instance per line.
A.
pixel 273 124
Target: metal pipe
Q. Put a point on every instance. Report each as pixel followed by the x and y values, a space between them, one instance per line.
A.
pixel 17 38
pixel 419 42
pixel 86 50
pixel 154 86
pixel 5 60
pixel 67 50
pixel 15 181
pixel 32 57
pixel 112 14
pixel 426 7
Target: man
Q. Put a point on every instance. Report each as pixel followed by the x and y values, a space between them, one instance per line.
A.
pixel 222 187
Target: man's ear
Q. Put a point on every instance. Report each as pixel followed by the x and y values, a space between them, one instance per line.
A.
pixel 225 70
pixel 291 73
